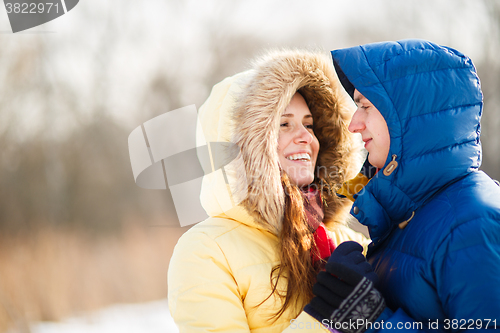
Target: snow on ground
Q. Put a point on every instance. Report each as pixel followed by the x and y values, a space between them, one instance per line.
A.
pixel 149 317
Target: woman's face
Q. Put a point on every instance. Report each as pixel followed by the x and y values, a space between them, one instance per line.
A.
pixel 298 147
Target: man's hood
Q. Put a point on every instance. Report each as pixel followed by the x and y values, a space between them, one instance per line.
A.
pixel 431 99
pixel 245 112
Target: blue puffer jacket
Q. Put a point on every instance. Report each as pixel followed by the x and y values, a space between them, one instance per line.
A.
pixel 445 264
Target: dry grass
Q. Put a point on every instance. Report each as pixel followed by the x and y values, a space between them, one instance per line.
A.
pixel 56 273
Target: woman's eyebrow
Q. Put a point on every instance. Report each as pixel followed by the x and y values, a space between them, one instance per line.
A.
pixel 290 115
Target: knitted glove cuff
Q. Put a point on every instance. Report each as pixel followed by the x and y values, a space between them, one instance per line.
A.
pixel 363 305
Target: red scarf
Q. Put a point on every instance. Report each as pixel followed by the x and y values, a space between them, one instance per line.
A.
pixel 313 207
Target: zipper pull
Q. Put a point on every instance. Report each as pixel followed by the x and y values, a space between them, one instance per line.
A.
pixel 391 166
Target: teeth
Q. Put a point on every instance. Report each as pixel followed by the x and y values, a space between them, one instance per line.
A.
pixel 295 157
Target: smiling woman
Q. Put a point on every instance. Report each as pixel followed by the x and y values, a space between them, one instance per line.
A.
pixel 252 266
pixel 297 145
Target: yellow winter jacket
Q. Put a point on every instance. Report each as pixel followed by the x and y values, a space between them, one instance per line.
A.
pixel 220 270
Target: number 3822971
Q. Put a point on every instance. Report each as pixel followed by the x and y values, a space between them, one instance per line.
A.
pixel 470 324
pixel 31 8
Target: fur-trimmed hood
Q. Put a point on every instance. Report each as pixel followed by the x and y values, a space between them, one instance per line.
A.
pixel 245 111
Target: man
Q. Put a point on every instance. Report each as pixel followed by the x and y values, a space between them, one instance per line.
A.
pixel 433 217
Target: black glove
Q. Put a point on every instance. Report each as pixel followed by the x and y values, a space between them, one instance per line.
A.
pixel 345 293
pixel 350 255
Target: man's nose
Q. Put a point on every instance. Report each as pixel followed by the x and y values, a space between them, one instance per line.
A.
pixel 357 123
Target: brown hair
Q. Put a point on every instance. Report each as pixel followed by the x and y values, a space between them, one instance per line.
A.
pixel 295 246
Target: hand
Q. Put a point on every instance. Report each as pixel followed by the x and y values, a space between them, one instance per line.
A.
pixel 345 292
pixel 350 255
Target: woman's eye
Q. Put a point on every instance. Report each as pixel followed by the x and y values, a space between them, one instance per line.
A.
pixel 284 125
pixel 310 126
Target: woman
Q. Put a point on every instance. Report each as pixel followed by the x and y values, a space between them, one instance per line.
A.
pixel 252 264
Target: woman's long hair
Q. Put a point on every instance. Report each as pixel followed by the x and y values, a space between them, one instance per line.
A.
pixel 295 246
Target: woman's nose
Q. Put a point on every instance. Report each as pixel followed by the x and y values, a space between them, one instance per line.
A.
pixel 303 135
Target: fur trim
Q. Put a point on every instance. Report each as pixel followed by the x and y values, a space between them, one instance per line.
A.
pixel 277 77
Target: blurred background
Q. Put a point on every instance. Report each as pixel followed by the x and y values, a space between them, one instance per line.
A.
pixel 76 233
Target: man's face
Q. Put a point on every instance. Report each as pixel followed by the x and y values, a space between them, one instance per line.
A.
pixel 372 126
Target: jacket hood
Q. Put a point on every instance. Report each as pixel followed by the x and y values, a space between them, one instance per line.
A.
pixel 431 99
pixel 245 110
